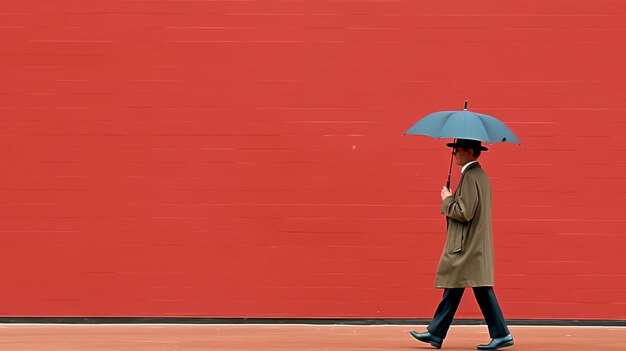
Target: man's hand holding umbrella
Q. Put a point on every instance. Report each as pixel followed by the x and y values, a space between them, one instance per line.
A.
pixel 445 192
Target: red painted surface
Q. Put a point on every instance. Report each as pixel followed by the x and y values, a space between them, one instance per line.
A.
pixel 246 159
pixel 290 337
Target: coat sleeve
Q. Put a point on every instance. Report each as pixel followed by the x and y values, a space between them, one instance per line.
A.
pixel 462 207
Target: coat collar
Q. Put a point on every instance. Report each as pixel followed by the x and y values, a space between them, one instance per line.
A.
pixel 474 164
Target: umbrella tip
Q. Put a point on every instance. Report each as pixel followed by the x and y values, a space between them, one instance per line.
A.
pixel 465 108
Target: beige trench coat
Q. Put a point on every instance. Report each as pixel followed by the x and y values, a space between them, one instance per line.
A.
pixel 467 258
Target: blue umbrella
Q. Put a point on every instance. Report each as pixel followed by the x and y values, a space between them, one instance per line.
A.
pixel 463 125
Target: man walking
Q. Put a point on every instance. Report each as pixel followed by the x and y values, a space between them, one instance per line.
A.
pixel 467 258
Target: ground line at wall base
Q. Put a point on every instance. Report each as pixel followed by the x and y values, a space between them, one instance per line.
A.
pixel 312 321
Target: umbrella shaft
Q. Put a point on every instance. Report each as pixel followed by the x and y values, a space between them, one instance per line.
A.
pixel 450 171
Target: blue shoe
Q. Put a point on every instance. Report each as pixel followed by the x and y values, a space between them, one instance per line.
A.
pixel 429 338
pixel 498 343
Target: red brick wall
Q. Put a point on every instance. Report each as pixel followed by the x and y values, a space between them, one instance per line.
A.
pixel 246 158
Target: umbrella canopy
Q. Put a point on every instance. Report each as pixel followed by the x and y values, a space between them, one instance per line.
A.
pixel 463 124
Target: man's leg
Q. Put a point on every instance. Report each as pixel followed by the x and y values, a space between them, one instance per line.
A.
pixel 488 304
pixel 445 312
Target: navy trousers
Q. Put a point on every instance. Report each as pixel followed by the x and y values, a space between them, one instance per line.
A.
pixel 487 302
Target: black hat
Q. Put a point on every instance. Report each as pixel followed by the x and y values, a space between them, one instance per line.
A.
pixel 467 144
